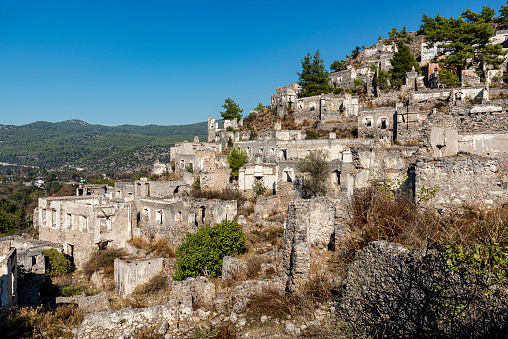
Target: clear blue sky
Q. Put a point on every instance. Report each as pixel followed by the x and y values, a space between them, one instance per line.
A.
pixel 168 62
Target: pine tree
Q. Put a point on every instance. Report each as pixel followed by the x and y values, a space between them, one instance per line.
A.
pixel 338 65
pixel 462 43
pixel 403 61
pixel 313 78
pixel 233 111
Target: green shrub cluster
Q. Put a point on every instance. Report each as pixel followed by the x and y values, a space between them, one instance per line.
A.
pixel 56 263
pixel 72 290
pixel 201 253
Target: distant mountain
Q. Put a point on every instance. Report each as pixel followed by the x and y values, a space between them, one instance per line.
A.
pixel 94 147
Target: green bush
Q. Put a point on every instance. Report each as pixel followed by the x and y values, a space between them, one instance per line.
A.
pixel 72 290
pixel 56 263
pixel 201 253
pixel 258 188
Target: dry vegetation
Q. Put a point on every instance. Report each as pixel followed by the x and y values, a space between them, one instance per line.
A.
pixel 159 247
pixel 103 259
pixel 40 322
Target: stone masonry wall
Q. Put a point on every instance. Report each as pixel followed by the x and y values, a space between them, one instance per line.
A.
pixel 470 180
pixel 131 273
pixel 309 222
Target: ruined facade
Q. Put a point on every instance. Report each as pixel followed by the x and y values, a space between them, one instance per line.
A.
pixel 8 275
pixel 84 224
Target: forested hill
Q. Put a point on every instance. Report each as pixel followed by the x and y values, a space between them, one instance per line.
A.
pixel 94 147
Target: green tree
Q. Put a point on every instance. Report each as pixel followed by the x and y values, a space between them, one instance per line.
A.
pixel 259 107
pixel 355 52
pixel 403 61
pixel 383 80
pixel 236 159
pixel 201 253
pixel 338 65
pixel 393 33
pixel 503 14
pixel 316 168
pixel 462 43
pixel 314 78
pixel 403 33
pixel 448 78
pixel 486 15
pixel 232 110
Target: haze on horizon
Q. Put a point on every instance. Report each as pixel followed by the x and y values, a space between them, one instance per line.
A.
pixel 165 63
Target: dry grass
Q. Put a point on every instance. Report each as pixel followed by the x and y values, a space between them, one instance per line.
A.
pixel 166 176
pixel 156 284
pixel 378 215
pixel 160 247
pixel 279 304
pixel 273 235
pixel 103 259
pixel 225 194
pixel 37 320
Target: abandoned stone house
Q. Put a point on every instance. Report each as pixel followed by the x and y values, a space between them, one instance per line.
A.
pixel 229 133
pixel 30 266
pixel 83 224
pixel 8 275
pixel 171 218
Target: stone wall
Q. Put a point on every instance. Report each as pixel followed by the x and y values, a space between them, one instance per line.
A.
pixel 217 179
pixel 376 123
pixel 470 180
pixel 8 275
pixel 129 273
pixel 172 218
pixel 310 222
pixel 83 224
pixel 93 303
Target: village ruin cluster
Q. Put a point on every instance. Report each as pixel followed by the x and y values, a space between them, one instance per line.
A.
pixel 454 140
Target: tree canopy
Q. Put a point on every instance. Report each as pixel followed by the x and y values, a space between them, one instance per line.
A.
pixel 316 169
pixel 232 110
pixel 314 78
pixel 338 65
pixel 463 43
pixel 236 159
pixel 403 61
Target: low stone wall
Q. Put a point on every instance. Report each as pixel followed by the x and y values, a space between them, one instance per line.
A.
pixel 93 303
pixel 172 317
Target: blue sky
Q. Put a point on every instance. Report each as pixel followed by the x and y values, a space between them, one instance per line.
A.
pixel 167 62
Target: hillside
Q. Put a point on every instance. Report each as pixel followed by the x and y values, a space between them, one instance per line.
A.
pixel 94 147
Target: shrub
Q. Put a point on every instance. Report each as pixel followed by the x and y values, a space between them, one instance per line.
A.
pixel 72 290
pixel 225 194
pixel 201 253
pixel 103 259
pixel 258 188
pixel 417 294
pixel 317 168
pixel 197 183
pixel 157 283
pixel 236 159
pixel 311 135
pixel 189 168
pixel 56 263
